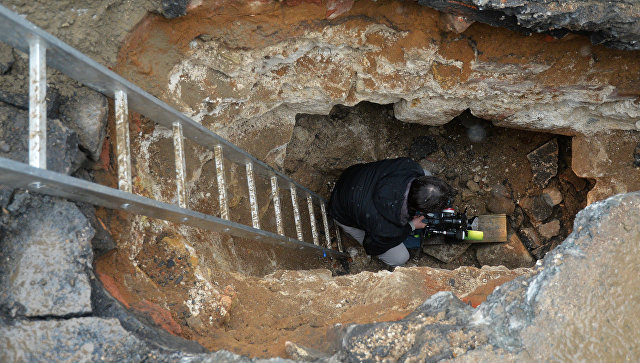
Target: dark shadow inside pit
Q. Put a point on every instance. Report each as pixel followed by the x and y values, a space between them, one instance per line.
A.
pixel 524 174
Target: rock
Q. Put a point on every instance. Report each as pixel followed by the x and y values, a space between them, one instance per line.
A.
pixel 48 257
pixel 549 230
pixel 21 101
pixel 613 25
pixel 473 186
pixel 517 218
pixel 63 154
pixel 174 8
pixel 552 196
pixel 511 254
pixel 455 23
pixel 446 252
pixel 450 174
pixel 6 58
pixel 500 205
pixel 102 242
pixel 613 168
pixel 531 238
pixel 570 177
pixel 636 156
pixel 544 162
pixel 449 150
pixel 303 354
pixel 336 8
pixel 499 190
pixel 536 208
pixel 4 147
pixel 422 146
pixel 86 113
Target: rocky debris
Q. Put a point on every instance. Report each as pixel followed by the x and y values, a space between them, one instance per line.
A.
pixel 6 58
pixel 519 320
pixel 446 252
pixel 473 186
pixel 86 113
pixel 549 230
pixel 552 196
pixel 613 168
pixel 636 156
pixel 174 8
pixel 48 255
pixel 544 162
pixel 511 254
pixel 422 146
pixel 612 24
pixel 336 8
pixel 536 208
pixel 433 167
pixel 63 154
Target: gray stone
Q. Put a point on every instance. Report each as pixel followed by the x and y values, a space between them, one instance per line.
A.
pixel 446 252
pixel 174 8
pixel 501 205
pixel 544 162
pixel 536 208
pixel 552 196
pixel 549 230
pixel 512 254
pixel 48 255
pixel 21 101
pixel 63 154
pixel 432 167
pixel 102 242
pixel 6 58
pixel 86 113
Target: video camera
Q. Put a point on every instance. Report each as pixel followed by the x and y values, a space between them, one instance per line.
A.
pixel 455 227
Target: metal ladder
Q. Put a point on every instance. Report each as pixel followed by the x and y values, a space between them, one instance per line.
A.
pixel 45 49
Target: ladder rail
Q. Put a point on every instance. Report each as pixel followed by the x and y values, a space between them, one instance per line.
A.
pixel 17 32
pixel 46 50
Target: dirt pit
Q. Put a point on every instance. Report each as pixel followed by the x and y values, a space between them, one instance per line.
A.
pixel 255 312
pixel 488 166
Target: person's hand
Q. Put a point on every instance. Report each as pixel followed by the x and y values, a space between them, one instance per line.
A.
pixel 417 222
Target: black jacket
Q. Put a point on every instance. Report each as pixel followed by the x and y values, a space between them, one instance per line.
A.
pixel 371 196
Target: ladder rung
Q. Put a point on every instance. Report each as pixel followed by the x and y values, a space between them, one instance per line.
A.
pixel 296 212
pixel 123 143
pixel 325 222
pixel 275 192
pixel 312 220
pixel 253 200
pixel 37 104
pixel 222 186
pixel 178 148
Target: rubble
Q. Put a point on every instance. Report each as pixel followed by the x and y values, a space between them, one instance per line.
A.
pixel 512 254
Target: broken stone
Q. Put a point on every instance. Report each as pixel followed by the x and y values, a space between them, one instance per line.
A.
pixel 511 254
pixel 536 208
pixel 422 146
pixel 63 155
pixel 86 113
pixel 473 186
pixel 467 194
pixel 50 251
pixel 531 238
pixel 549 230
pixel 174 8
pixel 544 162
pixel 517 218
pixel 636 155
pixel 446 252
pixel 552 196
pixel 500 205
pixel 6 58
pixel 570 177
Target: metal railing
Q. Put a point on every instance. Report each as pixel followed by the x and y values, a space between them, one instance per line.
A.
pixel 46 50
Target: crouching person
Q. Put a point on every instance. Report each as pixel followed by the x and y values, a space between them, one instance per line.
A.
pixel 381 203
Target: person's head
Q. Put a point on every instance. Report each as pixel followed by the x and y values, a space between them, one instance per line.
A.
pixel 428 194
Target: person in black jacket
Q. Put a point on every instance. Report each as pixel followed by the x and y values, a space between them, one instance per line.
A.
pixel 380 203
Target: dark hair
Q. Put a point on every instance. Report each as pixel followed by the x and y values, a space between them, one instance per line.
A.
pixel 428 194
